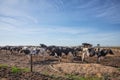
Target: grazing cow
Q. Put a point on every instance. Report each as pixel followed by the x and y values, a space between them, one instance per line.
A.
pixel 5 48
pixel 103 53
pixel 35 51
pixel 76 51
pixel 25 50
pixel 42 52
pixel 55 50
pixel 15 49
pixel 92 52
pixel 60 51
pixel 11 49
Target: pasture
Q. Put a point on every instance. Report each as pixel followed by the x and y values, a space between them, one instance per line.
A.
pixel 107 69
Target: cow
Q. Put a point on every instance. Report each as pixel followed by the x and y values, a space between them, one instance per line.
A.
pixel 6 49
pixel 59 51
pixel 92 52
pixel 25 50
pixel 15 49
pixel 103 53
pixel 36 51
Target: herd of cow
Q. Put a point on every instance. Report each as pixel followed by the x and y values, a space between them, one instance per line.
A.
pixel 59 51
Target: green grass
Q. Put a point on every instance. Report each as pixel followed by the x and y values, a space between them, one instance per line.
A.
pixel 68 76
pixel 15 69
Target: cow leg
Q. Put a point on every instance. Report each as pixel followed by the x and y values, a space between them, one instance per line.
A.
pixel 71 57
pixel 19 52
pixel 56 55
pixel 28 57
pixel 6 51
pixel 98 60
pixel 59 59
pixel 83 56
pixel 43 56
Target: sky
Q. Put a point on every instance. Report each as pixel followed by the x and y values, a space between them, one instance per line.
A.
pixel 60 22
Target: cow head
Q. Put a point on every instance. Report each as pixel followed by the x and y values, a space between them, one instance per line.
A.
pixel 110 52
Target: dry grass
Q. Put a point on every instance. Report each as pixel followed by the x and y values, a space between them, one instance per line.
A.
pixel 85 69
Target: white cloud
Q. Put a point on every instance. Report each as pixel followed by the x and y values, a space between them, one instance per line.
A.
pixel 17 20
pixel 108 12
pixel 75 36
pixel 16 12
pixel 42 29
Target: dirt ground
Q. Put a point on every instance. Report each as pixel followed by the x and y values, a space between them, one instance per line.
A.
pixel 108 65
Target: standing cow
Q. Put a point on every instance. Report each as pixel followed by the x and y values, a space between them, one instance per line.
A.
pixel 99 53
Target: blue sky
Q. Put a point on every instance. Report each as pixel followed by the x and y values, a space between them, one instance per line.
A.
pixel 60 22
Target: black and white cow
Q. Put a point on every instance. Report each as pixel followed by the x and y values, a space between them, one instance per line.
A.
pixel 25 50
pixel 5 48
pixel 99 53
pixel 38 51
pixel 15 50
pixel 103 53
pixel 11 49
pixel 59 51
